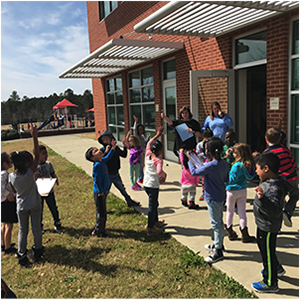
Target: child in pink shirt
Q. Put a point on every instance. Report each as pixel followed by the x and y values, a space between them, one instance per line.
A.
pixel 188 183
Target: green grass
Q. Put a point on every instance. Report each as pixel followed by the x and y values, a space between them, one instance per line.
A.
pixel 127 264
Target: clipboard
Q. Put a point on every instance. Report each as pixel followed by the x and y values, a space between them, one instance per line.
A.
pixel 45 185
pixel 195 160
pixel 182 131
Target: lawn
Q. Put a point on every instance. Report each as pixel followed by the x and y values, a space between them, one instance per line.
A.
pixel 126 264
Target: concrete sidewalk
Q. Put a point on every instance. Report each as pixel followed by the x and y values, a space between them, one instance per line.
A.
pixel 192 228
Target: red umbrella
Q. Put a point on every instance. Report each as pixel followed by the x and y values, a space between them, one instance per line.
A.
pixel 92 109
pixel 64 103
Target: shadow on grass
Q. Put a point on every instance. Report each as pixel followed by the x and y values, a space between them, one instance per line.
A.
pixel 83 259
pixel 118 233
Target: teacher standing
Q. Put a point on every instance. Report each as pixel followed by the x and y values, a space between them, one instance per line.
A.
pixel 185 116
pixel 217 121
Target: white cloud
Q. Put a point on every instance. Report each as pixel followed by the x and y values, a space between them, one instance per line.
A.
pixel 44 50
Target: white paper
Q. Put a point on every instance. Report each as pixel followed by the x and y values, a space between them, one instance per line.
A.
pixel 182 131
pixel 45 185
pixel 197 162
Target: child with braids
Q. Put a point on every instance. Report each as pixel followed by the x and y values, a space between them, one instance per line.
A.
pixel 153 177
pixel 216 174
pixel 29 202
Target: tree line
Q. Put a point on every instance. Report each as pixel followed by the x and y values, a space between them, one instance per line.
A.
pixel 38 109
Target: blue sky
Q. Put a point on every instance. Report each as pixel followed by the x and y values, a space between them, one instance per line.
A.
pixel 40 40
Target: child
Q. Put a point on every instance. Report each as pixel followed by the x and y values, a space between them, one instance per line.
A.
pixel 45 170
pixel 216 173
pixel 101 185
pixel 8 206
pixel 188 183
pixel 154 175
pixel 29 202
pixel 227 153
pixel 287 169
pixel 114 165
pixel 241 171
pixel 203 156
pixel 135 157
pixel 267 208
pixel 139 131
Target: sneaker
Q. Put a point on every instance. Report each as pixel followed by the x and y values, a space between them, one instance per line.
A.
pixel 138 187
pixel 184 203
pixel 24 262
pixel 154 231
pixel 262 287
pixel 287 219
pixel 133 188
pixel 133 203
pixel 10 250
pixel 192 205
pixel 217 254
pixel 201 198
pixel 102 235
pixel 280 271
pixel 160 223
pixel 94 233
pixel 210 247
pixel 141 181
pixel 57 227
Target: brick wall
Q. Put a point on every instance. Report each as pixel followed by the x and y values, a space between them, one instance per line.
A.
pixel 199 54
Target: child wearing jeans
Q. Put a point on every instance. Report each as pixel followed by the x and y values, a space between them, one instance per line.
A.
pixel 135 157
pixel 188 183
pixel 8 206
pixel 29 204
pixel 101 185
pixel 241 171
pixel 216 174
pixel 268 210
pixel 153 177
pixel 45 170
pixel 114 164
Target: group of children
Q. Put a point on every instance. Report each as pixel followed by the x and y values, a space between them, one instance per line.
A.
pixel 224 167
pixel 21 201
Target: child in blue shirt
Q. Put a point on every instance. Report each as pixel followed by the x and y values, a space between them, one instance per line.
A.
pixel 216 174
pixel 101 185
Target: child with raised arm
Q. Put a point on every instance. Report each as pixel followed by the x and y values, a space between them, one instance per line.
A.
pixel 101 185
pixel 188 183
pixel 154 176
pixel 241 171
pixel 114 164
pixel 136 158
pixel 8 206
pixel 139 131
pixel 45 170
pixel 268 208
pixel 287 170
pixel 216 174
pixel 29 204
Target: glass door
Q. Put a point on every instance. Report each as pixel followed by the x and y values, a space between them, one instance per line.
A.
pixel 169 100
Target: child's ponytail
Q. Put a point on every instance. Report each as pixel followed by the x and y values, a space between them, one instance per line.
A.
pixel 215 148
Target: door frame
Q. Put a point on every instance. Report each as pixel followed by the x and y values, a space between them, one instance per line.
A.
pixel 169 155
pixel 194 94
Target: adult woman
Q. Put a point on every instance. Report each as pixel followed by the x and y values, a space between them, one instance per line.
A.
pixel 218 121
pixel 185 116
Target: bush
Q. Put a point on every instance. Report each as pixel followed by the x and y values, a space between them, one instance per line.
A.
pixel 9 134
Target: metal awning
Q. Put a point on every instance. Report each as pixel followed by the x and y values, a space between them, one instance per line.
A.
pixel 117 55
pixel 210 18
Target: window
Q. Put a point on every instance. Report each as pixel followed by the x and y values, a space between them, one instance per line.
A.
pixel 115 110
pixel 169 71
pixel 294 91
pixel 251 48
pixel 106 7
pixel 141 98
